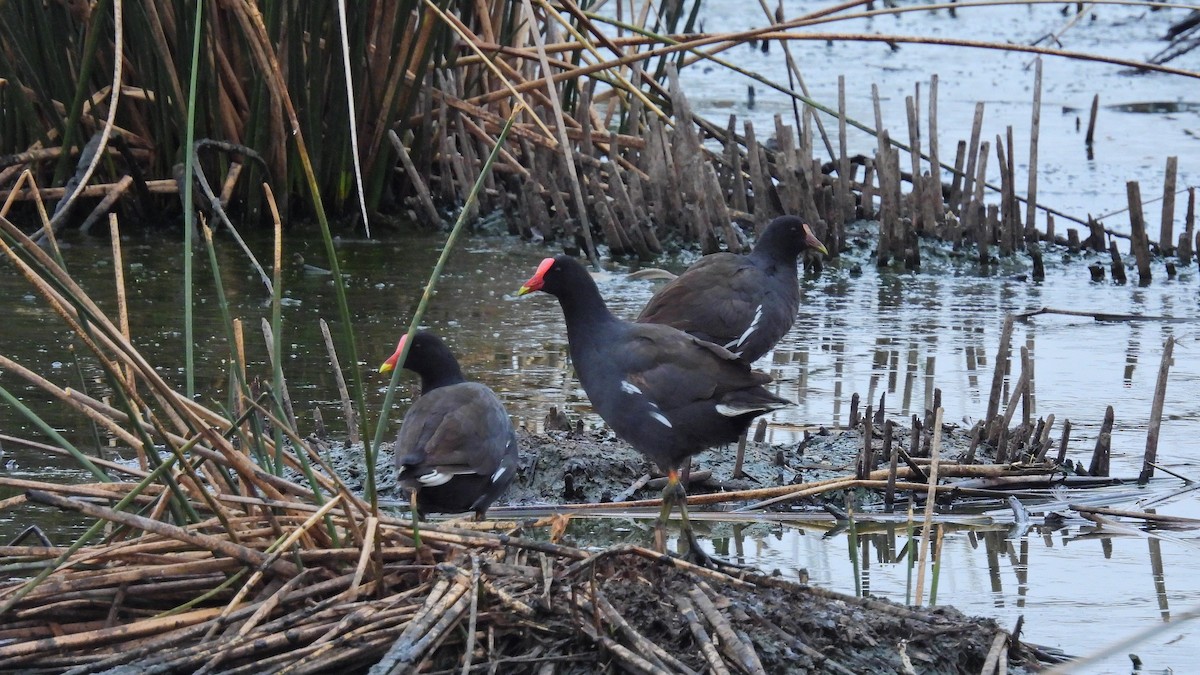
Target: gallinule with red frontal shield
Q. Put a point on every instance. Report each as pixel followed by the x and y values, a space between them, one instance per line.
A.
pixel 666 393
pixel 456 450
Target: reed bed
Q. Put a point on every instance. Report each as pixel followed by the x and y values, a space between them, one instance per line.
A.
pixel 605 149
pixel 163 602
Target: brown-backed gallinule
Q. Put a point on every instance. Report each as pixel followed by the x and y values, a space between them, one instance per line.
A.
pixel 666 393
pixel 745 303
pixel 456 450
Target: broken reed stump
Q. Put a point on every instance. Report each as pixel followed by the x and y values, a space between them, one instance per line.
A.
pixel 1139 243
pixel 1185 250
pixel 1118 266
pixel 1091 128
pixel 1166 235
pixel 1156 411
pixel 1100 457
pixel 1001 368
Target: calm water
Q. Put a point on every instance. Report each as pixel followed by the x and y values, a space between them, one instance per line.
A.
pixel 859 330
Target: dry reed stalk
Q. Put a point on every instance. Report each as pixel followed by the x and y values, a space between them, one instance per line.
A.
pixel 347 405
pixel 1156 412
pixel 930 501
pixel 707 645
pixel 565 147
pixel 160 186
pixel 745 657
pixel 102 207
pixel 242 553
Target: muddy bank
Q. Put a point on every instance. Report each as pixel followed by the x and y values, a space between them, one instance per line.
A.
pixel 593 465
pixel 790 628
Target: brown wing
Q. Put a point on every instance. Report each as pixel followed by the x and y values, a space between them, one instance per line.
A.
pixel 715 299
pixel 454 430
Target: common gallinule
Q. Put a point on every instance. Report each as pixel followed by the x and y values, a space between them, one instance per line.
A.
pixel 456 450
pixel 666 393
pixel 745 303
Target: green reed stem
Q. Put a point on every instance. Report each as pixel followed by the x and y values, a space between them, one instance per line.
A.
pixel 237 385
pixel 98 13
pixel 280 385
pixel 223 305
pixel 210 593
pixel 937 564
pixel 426 296
pixel 54 435
pixel 95 432
pixel 189 213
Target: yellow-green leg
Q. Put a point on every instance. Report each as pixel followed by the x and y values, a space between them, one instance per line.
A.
pixel 671 494
pixel 664 515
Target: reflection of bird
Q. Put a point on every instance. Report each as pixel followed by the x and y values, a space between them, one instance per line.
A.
pixel 746 303
pixel 666 393
pixel 456 450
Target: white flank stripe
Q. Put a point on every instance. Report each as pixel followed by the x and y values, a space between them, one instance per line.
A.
pixel 661 418
pixel 434 478
pixel 629 387
pixel 753 325
pixel 499 473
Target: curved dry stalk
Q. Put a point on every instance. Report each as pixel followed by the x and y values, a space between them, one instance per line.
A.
pixel 110 121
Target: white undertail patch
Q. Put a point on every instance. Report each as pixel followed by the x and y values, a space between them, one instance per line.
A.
pixel 734 410
pixel 434 478
pixel 629 387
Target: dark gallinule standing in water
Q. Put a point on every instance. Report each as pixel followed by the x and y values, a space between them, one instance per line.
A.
pixel 745 303
pixel 666 393
pixel 456 450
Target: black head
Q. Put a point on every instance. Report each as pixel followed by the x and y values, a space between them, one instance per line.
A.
pixel 788 237
pixel 428 357
pixel 558 276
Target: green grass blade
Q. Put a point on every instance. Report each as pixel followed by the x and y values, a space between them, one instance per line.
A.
pixel 189 213
pixel 58 438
